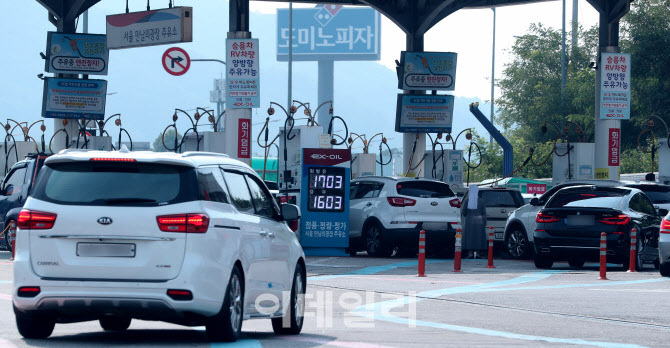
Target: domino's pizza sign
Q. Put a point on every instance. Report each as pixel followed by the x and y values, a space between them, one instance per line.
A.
pixel 329 32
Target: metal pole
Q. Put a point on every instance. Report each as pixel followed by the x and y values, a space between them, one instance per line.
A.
pixel 290 55
pixel 563 65
pixel 493 69
pixel 85 22
pixel 575 24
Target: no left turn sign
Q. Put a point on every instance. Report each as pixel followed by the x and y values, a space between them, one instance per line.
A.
pixel 176 61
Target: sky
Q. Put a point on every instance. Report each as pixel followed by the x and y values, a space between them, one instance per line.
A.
pixel 146 95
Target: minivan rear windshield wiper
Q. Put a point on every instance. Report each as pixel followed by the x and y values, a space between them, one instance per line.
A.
pixel 128 200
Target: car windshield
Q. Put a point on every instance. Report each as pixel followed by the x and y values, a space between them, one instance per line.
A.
pixel 420 188
pixel 587 199
pixel 118 184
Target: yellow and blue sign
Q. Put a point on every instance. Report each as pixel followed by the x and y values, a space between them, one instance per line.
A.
pixel 330 32
pixel 324 202
pixel 77 54
pixel 72 98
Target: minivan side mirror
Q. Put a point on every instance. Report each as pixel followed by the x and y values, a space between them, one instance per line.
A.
pixel 535 201
pixel 290 212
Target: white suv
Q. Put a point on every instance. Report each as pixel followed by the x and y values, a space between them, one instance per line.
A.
pixel 388 212
pixel 520 224
pixel 193 239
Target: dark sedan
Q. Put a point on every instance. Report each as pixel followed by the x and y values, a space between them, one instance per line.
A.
pixel 569 226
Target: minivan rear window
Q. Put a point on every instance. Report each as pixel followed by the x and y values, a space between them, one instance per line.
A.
pixel 117 184
pixel 420 188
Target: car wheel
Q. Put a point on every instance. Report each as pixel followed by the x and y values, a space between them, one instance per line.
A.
pixel 543 262
pixel 516 243
pixel 115 323
pixel 291 323
pixel 639 262
pixel 576 262
pixel 374 242
pixel 34 325
pixel 8 237
pixel 226 326
pixel 665 269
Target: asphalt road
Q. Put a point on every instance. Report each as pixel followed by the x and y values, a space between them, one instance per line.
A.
pixel 377 303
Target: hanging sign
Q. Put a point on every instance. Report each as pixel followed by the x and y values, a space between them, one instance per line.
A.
pixel 150 28
pixel 615 86
pixel 424 113
pixel 243 73
pixel 76 54
pixel 72 98
pixel 428 71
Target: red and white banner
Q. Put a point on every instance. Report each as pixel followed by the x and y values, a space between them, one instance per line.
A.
pixel 244 138
pixel 613 147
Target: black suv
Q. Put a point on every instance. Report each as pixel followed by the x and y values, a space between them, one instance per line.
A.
pixel 15 189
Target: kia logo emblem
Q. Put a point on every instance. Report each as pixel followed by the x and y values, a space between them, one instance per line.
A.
pixel 322 156
pixel 105 221
pixel 433 203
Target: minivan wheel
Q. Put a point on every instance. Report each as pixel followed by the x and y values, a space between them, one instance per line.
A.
pixel 291 323
pixel 226 326
pixel 516 244
pixel 543 262
pixel 110 323
pixel 374 242
pixel 34 325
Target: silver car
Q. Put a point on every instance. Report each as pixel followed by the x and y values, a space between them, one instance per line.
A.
pixel 664 247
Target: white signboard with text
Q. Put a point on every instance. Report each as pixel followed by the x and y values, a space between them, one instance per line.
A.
pixel 615 86
pixel 242 87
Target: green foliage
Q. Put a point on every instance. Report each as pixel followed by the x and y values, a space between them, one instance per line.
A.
pixel 530 89
pixel 169 140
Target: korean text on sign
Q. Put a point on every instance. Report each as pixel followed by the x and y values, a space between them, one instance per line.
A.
pixel 615 86
pixel 244 138
pixel 242 87
pixel 614 145
pixel 325 229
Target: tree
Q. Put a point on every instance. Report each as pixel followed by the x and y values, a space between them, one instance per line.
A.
pixel 531 110
pixel 169 140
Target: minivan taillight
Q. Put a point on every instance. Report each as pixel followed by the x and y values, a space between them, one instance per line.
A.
pixel 456 203
pixel 665 226
pixel 616 220
pixel 184 223
pixel 400 201
pixel 35 220
pixel 544 218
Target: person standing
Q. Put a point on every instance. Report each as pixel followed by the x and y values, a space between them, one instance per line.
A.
pixel 473 217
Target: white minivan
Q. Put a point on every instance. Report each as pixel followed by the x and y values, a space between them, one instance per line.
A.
pixel 193 239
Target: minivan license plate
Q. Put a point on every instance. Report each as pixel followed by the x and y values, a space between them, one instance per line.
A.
pixel 105 249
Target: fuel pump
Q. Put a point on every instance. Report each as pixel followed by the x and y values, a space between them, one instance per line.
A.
pixel 571 160
pixel 65 133
pixel 364 164
pixel 293 139
pixel 662 148
pixel 86 140
pixel 16 150
pixel 192 139
pixel 445 165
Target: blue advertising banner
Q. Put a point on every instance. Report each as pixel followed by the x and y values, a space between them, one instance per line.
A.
pixel 71 98
pixel 424 113
pixel 428 71
pixel 615 86
pixel 330 32
pixel 77 54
